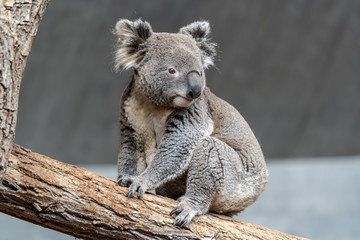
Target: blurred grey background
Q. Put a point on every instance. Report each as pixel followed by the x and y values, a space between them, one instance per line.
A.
pixel 290 67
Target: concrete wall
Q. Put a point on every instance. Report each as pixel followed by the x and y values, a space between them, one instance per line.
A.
pixel 290 67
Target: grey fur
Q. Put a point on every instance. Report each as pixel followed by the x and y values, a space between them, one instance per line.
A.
pixel 197 148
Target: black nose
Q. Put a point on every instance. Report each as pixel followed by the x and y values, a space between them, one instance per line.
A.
pixel 195 85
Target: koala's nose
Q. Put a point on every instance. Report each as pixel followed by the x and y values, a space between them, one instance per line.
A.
pixel 195 85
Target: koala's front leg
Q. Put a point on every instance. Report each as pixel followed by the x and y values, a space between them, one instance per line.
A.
pixel 128 156
pixel 185 129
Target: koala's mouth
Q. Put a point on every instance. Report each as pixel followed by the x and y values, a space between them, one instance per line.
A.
pixel 180 101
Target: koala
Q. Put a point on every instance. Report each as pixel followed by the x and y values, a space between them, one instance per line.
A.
pixel 177 137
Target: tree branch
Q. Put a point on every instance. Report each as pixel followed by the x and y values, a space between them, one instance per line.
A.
pixel 80 203
pixel 19 21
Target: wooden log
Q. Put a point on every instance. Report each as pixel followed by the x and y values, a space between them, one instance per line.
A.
pixel 85 205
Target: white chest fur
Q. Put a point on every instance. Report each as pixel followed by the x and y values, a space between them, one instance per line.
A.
pixel 148 121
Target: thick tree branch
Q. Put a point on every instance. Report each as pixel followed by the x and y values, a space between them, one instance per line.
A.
pixel 80 203
pixel 19 21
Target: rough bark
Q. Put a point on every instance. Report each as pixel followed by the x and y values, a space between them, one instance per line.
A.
pixel 19 22
pixel 80 203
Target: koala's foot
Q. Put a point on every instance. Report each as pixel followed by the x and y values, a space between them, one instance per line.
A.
pixel 186 210
pixel 124 180
pixel 135 184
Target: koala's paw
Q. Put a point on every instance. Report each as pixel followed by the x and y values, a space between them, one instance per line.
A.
pixel 124 180
pixel 135 184
pixel 185 212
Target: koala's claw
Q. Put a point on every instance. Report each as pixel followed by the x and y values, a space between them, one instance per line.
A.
pixel 132 190
pixel 124 180
pixel 176 210
pixel 136 185
pixel 185 213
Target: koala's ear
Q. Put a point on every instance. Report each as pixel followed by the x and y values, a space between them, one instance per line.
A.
pixel 131 47
pixel 200 32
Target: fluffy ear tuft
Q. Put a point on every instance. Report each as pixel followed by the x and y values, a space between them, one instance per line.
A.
pixel 200 32
pixel 131 47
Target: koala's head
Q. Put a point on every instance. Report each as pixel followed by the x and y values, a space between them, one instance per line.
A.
pixel 168 67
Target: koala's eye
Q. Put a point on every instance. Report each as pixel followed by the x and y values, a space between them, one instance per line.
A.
pixel 172 71
pixel 201 73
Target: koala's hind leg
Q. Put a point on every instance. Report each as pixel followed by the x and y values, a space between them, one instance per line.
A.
pixel 211 161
